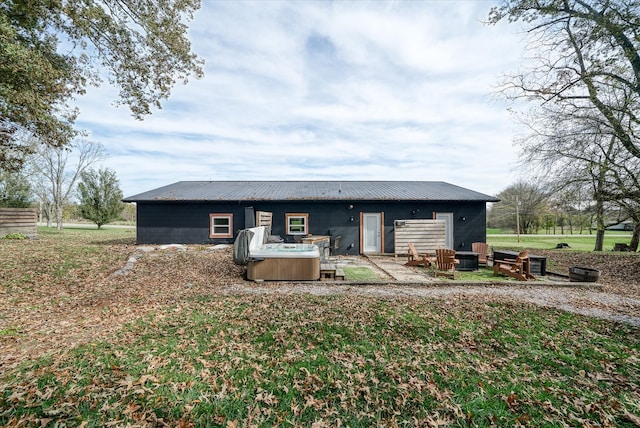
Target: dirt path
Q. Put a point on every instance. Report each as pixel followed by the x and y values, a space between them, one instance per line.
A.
pixel 592 303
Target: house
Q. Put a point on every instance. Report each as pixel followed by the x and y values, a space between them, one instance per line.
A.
pixel 364 214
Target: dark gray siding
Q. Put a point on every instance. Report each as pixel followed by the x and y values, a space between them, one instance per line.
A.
pixel 166 222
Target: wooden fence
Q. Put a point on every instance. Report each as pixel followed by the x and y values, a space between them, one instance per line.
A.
pixel 18 220
pixel 426 235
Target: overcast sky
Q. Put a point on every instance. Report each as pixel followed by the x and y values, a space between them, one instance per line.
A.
pixel 315 90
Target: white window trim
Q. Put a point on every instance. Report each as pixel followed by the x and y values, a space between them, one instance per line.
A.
pixel 228 234
pixel 304 216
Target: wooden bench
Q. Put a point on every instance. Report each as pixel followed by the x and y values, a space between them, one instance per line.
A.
pixel 329 271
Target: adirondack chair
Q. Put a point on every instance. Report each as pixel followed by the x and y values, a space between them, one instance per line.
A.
pixel 416 259
pixel 518 268
pixel 482 248
pixel 446 262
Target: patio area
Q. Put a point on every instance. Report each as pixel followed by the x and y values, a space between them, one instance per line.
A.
pixel 391 269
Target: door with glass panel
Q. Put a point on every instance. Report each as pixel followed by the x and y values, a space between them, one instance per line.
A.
pixel 371 233
pixel 448 219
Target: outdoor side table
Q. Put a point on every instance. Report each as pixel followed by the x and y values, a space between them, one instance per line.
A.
pixel 468 260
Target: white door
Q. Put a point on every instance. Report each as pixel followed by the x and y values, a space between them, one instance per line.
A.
pixel 448 228
pixel 371 233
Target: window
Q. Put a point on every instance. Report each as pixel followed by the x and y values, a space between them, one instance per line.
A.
pixel 297 224
pixel 221 225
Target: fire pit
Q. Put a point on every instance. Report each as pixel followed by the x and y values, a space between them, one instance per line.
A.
pixel 583 274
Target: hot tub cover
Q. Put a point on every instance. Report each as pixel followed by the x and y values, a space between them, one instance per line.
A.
pixel 245 241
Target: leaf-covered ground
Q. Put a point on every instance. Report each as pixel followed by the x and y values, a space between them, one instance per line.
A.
pixel 620 270
pixel 330 361
pixel 181 339
pixel 60 290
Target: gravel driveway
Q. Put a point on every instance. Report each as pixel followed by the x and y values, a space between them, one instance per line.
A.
pixel 592 303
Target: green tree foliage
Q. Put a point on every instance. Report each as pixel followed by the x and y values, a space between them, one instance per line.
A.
pixel 35 84
pixel 585 53
pixel 100 196
pixel 15 191
pixel 50 51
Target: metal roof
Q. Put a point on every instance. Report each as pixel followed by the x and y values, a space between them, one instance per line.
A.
pixel 195 191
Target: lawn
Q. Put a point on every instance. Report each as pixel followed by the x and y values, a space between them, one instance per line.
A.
pixel 359 273
pixel 299 360
pixel 576 242
pixel 192 354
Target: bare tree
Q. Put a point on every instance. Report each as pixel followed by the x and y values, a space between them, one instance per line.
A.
pixel 43 196
pixel 56 172
pixel 584 74
pixel 523 202
pixel 584 53
pixel 580 150
pixel 624 191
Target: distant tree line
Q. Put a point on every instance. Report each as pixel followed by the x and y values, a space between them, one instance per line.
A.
pixel 542 207
pixel 62 184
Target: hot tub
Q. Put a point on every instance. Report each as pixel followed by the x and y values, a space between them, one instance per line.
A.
pixel 284 262
pixel 284 251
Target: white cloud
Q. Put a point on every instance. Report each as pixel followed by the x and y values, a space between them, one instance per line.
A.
pixel 326 90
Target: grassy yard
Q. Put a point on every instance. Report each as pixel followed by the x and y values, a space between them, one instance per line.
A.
pixel 359 273
pixel 196 356
pixel 300 360
pixel 576 242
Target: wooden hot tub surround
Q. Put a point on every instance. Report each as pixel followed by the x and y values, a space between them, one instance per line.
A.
pixel 284 262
